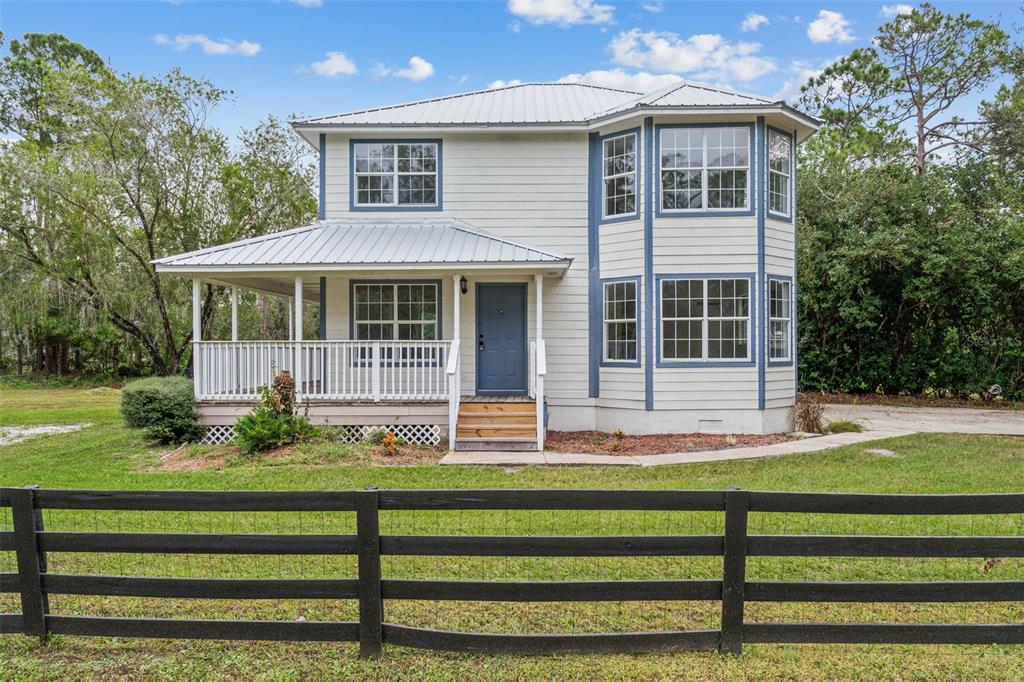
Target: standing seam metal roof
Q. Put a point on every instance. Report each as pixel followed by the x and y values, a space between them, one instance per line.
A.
pixel 537 103
pixel 368 241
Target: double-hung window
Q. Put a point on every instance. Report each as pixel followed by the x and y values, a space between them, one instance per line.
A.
pixel 780 155
pixel 396 173
pixel 620 321
pixel 705 169
pixel 619 176
pixel 390 312
pixel 780 320
pixel 705 319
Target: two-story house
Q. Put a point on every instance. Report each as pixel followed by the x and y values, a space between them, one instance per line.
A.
pixel 552 254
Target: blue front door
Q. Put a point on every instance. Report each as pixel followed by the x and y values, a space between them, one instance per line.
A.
pixel 501 339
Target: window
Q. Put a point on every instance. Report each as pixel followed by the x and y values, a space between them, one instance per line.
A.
pixel 620 175
pixel 780 316
pixel 705 168
pixel 705 319
pixel 396 173
pixel 620 321
pixel 780 150
pixel 389 312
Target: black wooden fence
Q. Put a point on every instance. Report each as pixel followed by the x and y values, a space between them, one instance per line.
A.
pixel 32 542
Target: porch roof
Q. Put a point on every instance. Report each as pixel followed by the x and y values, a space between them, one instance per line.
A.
pixel 367 244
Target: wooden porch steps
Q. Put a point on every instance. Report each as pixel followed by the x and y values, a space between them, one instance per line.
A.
pixel 496 425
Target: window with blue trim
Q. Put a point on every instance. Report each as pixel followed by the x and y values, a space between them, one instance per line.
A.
pixel 619 175
pixel 780 320
pixel 620 322
pixel 705 168
pixel 388 312
pixel 395 173
pixel 705 319
pixel 780 172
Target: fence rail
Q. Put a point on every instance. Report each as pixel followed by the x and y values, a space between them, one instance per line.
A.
pixel 31 542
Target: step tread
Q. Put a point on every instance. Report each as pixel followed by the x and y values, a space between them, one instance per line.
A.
pixel 503 439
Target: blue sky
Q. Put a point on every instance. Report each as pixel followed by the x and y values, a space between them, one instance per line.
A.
pixel 313 57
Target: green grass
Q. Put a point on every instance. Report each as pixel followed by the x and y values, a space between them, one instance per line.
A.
pixel 844 426
pixel 108 456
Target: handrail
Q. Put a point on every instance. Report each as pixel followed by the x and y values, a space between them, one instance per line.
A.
pixel 452 365
pixel 542 358
pixel 541 369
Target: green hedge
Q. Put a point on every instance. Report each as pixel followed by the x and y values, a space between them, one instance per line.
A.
pixel 164 407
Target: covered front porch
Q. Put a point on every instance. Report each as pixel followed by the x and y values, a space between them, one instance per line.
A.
pixel 429 350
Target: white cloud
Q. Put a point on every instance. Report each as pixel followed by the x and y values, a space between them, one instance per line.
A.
pixel 335 64
pixel 640 81
pixel 654 7
pixel 309 3
pixel 419 69
pixel 562 12
pixel 829 27
pixel 459 80
pixel 891 11
pixel 503 84
pixel 753 21
pixel 707 56
pixel 802 70
pixel 181 43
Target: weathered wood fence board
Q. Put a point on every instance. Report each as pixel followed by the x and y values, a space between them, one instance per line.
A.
pixel 31 542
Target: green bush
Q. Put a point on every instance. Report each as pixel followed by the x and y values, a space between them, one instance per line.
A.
pixel 844 426
pixel 263 429
pixel 164 407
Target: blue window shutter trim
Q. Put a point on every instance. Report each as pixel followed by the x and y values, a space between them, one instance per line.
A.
pixel 323 176
pixel 594 266
pixel 649 263
pixel 761 329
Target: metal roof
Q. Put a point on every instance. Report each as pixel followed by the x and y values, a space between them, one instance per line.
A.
pixel 366 243
pixel 536 103
pixel 687 94
pixel 523 103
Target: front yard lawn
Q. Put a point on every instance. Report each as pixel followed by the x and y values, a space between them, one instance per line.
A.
pixel 106 455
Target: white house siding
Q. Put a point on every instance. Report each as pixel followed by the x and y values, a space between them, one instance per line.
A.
pixel 534 188
pixel 526 187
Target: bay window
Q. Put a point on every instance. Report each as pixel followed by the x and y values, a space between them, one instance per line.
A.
pixel 618 179
pixel 621 321
pixel 705 169
pixel 780 153
pixel 705 319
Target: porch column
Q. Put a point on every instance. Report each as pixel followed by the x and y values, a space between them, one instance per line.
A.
pixel 291 320
pixel 457 307
pixel 197 335
pixel 297 363
pixel 538 283
pixel 234 313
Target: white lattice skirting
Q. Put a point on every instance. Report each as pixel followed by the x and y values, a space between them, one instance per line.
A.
pixel 218 435
pixel 416 434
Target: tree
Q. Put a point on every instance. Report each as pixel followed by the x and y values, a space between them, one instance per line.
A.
pixel 921 64
pixel 137 173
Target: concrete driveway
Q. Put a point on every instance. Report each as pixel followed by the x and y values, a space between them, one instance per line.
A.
pixel 931 419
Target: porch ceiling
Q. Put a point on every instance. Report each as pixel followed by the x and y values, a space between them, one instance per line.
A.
pixel 365 244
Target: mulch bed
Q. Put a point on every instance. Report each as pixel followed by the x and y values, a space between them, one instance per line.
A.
pixel 913 401
pixel 601 443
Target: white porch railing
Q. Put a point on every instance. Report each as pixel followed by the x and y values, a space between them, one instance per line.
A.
pixel 325 370
pixel 540 369
pixel 454 390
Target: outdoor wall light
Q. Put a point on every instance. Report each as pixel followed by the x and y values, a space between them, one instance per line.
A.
pixel 463 285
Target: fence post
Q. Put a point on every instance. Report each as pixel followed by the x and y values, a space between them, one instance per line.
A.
pixel 31 561
pixel 371 612
pixel 734 570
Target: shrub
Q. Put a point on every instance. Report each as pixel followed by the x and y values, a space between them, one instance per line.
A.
pixel 844 426
pixel 263 429
pixel 809 414
pixel 376 437
pixel 164 407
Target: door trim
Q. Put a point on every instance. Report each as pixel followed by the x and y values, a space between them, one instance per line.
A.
pixel 526 347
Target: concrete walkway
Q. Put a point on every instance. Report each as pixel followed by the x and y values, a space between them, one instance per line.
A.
pixel 879 421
